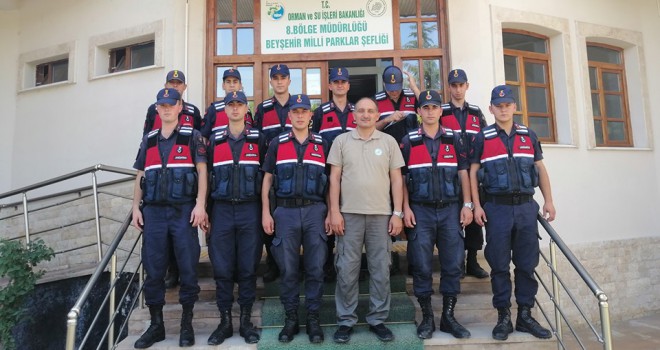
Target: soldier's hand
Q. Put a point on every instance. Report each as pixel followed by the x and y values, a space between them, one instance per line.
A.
pixel 549 211
pixel 198 217
pixel 409 218
pixel 480 216
pixel 328 225
pixel 138 220
pixel 268 223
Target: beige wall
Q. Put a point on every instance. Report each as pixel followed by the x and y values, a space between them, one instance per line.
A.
pixel 9 44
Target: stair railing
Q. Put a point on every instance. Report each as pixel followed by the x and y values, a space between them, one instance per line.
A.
pixel 559 285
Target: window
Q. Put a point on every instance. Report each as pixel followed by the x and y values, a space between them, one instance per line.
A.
pixel 247 81
pixel 52 72
pixel 527 71
pixel 234 27
pixel 608 95
pixel 418 25
pixel 131 57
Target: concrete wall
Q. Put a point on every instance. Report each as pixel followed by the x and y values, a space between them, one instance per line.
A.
pixel 9 42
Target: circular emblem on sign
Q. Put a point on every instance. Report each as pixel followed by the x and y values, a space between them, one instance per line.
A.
pixel 376 8
pixel 275 10
pixel 378 152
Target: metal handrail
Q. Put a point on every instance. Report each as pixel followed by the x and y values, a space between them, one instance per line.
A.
pixel 557 242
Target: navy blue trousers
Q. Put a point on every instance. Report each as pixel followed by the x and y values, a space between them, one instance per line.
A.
pixel 161 222
pixel 512 235
pixel 439 228
pixel 235 251
pixel 295 227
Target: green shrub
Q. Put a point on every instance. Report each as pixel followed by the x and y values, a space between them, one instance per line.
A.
pixel 16 264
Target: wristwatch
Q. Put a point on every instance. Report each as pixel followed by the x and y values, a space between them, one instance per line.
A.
pixel 398 214
pixel 468 205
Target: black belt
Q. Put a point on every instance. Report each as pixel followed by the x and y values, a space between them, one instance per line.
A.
pixel 294 202
pixel 510 199
pixel 236 201
pixel 436 205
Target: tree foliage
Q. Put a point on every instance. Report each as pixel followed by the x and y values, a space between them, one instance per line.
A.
pixel 17 264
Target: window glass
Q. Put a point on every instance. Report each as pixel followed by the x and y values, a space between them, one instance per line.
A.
pixel 535 72
pixel 296 86
pixel 614 106
pixel 517 41
pixel 412 67
pixel 536 100
pixel 313 81
pixel 142 55
pixel 223 11
pixel 541 126
pixel 409 35
pixel 510 68
pixel 595 104
pixel 603 54
pixel 430 34
pixel 224 43
pixel 429 8
pixel 593 78
pixel 407 8
pixel 247 80
pixel 60 71
pixel 432 72
pixel 611 82
pixel 516 96
pixel 245 41
pixel 616 131
pixel 244 11
pixel 598 128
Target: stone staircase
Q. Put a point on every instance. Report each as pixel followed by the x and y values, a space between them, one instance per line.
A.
pixel 473 310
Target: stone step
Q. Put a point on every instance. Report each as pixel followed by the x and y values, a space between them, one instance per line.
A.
pixel 481 338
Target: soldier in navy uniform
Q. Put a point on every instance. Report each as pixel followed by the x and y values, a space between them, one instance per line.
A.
pixel 171 186
pixel 436 184
pixel 189 116
pixel 271 119
pixel 295 165
pixel 235 156
pixel 466 120
pixel 397 107
pixel 216 117
pixel 506 157
pixel 331 119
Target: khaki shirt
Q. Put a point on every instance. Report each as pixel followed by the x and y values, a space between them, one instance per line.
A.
pixel 365 177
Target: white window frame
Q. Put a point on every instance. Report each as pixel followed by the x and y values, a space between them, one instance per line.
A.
pixel 29 61
pixel 100 46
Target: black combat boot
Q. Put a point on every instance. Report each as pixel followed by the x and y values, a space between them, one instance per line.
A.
pixel 156 331
pixel 314 327
pixel 225 329
pixel 526 323
pixel 187 335
pixel 503 326
pixel 291 327
pixel 448 323
pixel 472 267
pixel 247 329
pixel 427 326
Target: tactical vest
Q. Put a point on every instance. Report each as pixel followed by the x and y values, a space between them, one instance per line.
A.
pixel 300 177
pixel 472 123
pixel 236 180
pixel 386 108
pixel 331 126
pixel 174 181
pixel 186 117
pixel 271 126
pixel 508 173
pixel 433 180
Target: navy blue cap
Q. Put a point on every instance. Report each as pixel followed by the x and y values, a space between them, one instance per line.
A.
pixel 339 73
pixel 282 69
pixel 429 97
pixel 456 76
pixel 231 72
pixel 393 78
pixel 501 94
pixel 236 96
pixel 299 101
pixel 176 75
pixel 168 96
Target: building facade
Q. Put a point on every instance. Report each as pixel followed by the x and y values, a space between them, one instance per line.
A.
pixel 79 76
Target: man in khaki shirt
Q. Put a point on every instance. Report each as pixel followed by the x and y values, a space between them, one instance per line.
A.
pixel 366 165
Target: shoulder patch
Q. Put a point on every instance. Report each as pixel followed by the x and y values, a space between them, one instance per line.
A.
pixel 219 106
pixel 408 92
pixel 474 107
pixel 489 131
pixel 447 132
pixel 381 96
pixel 521 129
pixel 267 103
pixel 185 130
pixel 252 134
pixel 153 133
pixel 351 107
pixel 316 138
pixel 220 135
pixel 415 135
pixel 326 107
pixel 284 137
